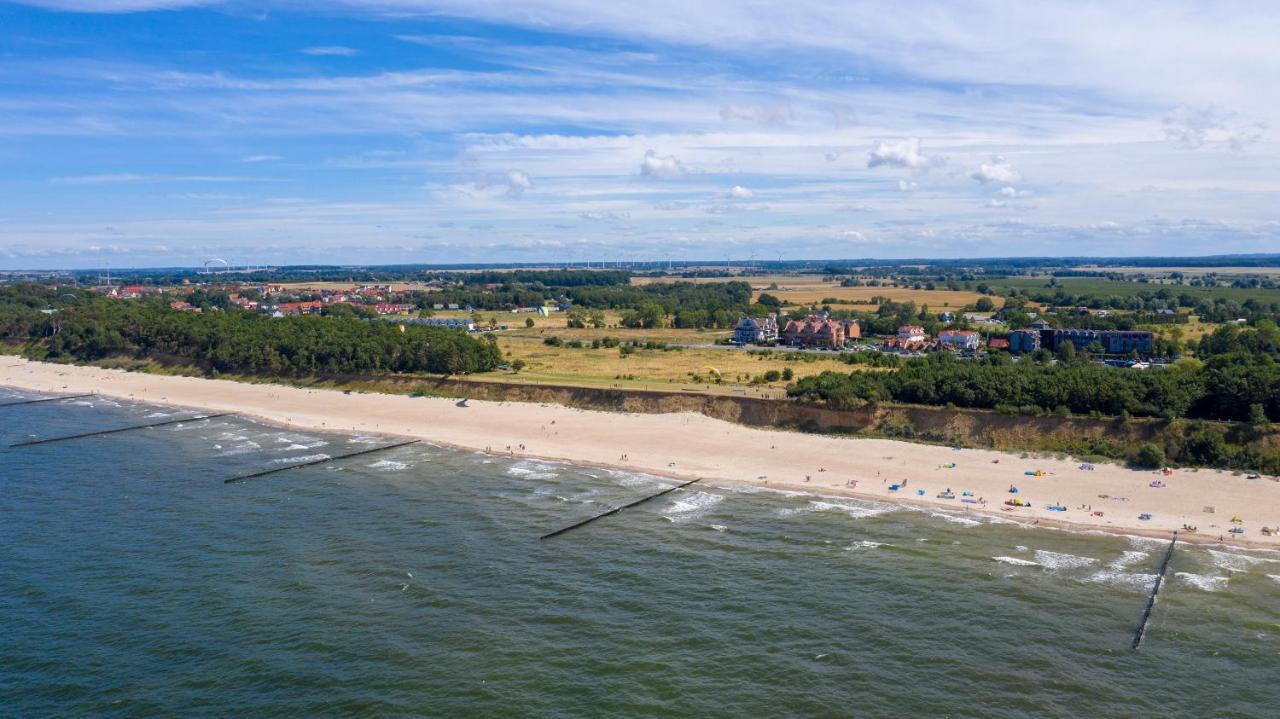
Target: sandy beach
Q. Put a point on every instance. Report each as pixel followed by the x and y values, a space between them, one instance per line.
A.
pixel 687 446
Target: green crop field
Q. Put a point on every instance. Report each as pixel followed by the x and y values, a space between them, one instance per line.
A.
pixel 1102 287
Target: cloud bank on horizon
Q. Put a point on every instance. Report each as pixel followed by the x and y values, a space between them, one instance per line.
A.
pixel 163 132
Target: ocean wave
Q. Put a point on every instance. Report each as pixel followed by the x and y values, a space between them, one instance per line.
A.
pixel 691 505
pixel 157 415
pixel 1059 560
pixel 1236 562
pixel 388 465
pixel 855 510
pixel 530 470
pixel 1204 582
pixel 956 519
pixel 1274 577
pixel 863 545
pixel 242 448
pixel 633 479
pixel 300 442
pixel 718 527
pixel 1016 561
pixel 297 460
pixel 1115 574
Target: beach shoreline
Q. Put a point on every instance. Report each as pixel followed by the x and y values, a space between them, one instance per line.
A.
pixel 685 446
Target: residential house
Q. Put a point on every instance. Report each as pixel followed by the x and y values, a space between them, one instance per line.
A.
pixel 756 330
pixel 814 331
pixel 911 333
pixel 1025 340
pixel 960 339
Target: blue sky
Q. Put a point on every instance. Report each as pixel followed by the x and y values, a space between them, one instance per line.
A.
pixel 164 132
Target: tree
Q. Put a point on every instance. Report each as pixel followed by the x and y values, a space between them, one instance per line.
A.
pixel 787 374
pixel 1257 414
pixel 528 322
pixel 984 304
pixel 1067 352
pixel 1150 456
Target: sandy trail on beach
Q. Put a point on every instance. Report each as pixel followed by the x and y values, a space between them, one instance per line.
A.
pixel 686 445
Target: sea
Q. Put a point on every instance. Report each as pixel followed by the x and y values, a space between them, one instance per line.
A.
pixel 413 582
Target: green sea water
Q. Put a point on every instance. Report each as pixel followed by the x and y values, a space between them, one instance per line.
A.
pixel 134 583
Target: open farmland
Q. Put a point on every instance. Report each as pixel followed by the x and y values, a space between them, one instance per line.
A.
pixel 1103 287
pixel 659 369
pixel 805 290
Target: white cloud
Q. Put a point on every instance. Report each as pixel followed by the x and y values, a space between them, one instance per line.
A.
pixel 512 184
pixel 907 186
pixel 741 193
pixel 762 114
pixel 905 153
pixel 260 158
pixel 330 50
pixel 517 183
pixel 660 167
pixel 1012 192
pixel 604 216
pixel 1192 128
pixel 997 170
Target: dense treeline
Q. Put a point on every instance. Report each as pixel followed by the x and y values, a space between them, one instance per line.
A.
pixel 687 304
pixel 233 341
pixel 1238 379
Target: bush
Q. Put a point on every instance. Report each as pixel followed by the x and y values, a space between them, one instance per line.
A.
pixel 1150 456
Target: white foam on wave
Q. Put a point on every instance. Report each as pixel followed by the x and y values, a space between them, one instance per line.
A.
pixel 1235 561
pixel 296 442
pixel 1115 574
pixel 532 470
pixel 757 489
pixel 863 545
pixel 241 448
pixel 1016 561
pixel 1274 577
pixel 303 458
pixel 854 509
pixel 691 505
pixel 632 479
pixel 1204 582
pixel 157 415
pixel 1060 560
pixel 718 527
pixel 388 465
pixel 956 519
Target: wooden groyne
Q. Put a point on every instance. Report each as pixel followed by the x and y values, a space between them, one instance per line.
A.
pixel 1141 631
pixel 617 509
pixel 310 463
pixel 43 399
pixel 101 432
